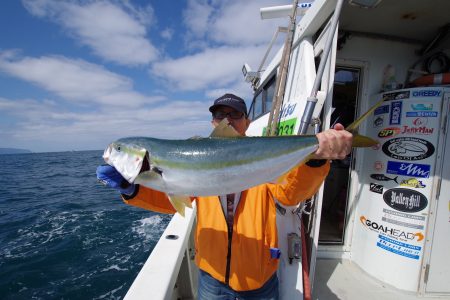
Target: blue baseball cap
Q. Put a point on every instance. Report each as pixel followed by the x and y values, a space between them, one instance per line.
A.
pixel 230 100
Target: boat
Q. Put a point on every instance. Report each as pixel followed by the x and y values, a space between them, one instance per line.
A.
pixel 379 225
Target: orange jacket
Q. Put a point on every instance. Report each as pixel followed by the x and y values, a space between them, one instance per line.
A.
pixel 254 229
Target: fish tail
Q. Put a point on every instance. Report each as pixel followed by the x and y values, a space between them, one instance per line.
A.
pixel 395 179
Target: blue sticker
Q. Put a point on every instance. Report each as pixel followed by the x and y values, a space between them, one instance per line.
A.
pixel 432 114
pixel 399 248
pixel 408 169
pixel 426 93
pixel 422 106
pixel 396 113
pixel 381 110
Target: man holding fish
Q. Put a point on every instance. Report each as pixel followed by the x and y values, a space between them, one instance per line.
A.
pixel 236 235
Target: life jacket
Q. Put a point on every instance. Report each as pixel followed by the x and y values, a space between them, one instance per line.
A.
pixel 249 263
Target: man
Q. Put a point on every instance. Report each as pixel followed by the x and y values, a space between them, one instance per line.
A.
pixel 236 235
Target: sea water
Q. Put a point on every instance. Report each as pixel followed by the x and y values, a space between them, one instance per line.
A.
pixel 63 235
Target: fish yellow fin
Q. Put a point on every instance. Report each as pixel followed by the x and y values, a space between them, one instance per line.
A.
pixel 224 130
pixel 179 203
pixel 358 121
pixel 363 141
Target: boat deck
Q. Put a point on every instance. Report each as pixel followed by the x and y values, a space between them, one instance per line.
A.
pixel 342 279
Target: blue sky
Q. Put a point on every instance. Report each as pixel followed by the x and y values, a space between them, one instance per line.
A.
pixel 76 75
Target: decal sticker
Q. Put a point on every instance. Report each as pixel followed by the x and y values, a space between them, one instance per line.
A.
pixel 376 188
pixel 378 165
pixel 384 109
pixel 284 128
pixel 420 121
pixel 396 95
pixel 287 110
pixel 395 233
pixel 403 219
pixel 432 114
pixel 405 200
pixel 422 130
pixel 408 148
pixel 421 106
pixel 382 177
pixel 408 169
pixel 378 122
pixel 399 248
pixel 396 113
pixel 389 132
pixel 427 93
pixel 413 183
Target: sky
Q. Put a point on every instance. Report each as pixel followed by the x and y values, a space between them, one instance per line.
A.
pixel 77 75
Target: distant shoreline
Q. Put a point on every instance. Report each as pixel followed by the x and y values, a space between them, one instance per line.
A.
pixel 14 151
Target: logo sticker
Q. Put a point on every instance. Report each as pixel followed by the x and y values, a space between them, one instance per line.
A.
pixel 396 113
pixel 408 169
pixel 392 232
pixel 398 248
pixel 422 130
pixel 431 114
pixel 382 177
pixel 426 93
pixel 413 183
pixel 408 148
pixel 376 188
pixel 396 95
pixel 405 200
pixel 389 132
pixel 421 106
pixel 384 109
pixel 420 121
pixel 378 122
pixel 378 165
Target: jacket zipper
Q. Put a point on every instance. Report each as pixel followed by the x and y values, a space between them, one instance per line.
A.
pixel 227 272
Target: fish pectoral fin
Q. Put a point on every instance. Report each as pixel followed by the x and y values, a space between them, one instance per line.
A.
pixel 363 141
pixel 179 203
pixel 224 129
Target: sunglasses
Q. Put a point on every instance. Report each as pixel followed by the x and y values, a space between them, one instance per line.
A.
pixel 220 115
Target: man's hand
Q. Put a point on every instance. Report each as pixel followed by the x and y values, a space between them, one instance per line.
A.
pixel 109 176
pixel 334 143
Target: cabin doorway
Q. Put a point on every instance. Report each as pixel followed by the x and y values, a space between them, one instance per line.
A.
pixel 336 186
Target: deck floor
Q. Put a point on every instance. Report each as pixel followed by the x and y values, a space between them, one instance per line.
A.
pixel 342 279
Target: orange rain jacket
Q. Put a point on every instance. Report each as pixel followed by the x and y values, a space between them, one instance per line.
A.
pixel 254 228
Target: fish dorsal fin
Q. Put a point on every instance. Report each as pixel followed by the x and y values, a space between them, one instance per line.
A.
pixel 361 140
pixel 224 129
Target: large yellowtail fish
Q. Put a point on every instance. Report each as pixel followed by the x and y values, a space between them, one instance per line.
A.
pixel 215 165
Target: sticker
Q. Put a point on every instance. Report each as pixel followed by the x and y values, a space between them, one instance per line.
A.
pixel 422 130
pixel 376 188
pixel 396 113
pixel 378 122
pixel 421 121
pixel 432 114
pixel 427 93
pixel 395 233
pixel 382 177
pixel 396 95
pixel 421 106
pixel 384 109
pixel 405 200
pixel 378 165
pixel 389 132
pixel 408 169
pixel 413 183
pixel 408 148
pixel 287 110
pixel 399 248
pixel 284 128
pixel 403 219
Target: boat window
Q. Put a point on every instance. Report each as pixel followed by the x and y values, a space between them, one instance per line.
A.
pixel 262 102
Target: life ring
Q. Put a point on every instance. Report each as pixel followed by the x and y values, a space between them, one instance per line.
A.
pixel 432 79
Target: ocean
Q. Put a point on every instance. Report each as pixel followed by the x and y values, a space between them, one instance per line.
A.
pixel 63 235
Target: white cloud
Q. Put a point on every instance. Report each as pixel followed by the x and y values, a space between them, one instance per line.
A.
pixel 211 68
pixel 167 33
pixel 115 33
pixel 74 79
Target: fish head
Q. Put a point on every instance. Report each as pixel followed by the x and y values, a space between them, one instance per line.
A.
pixel 126 158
